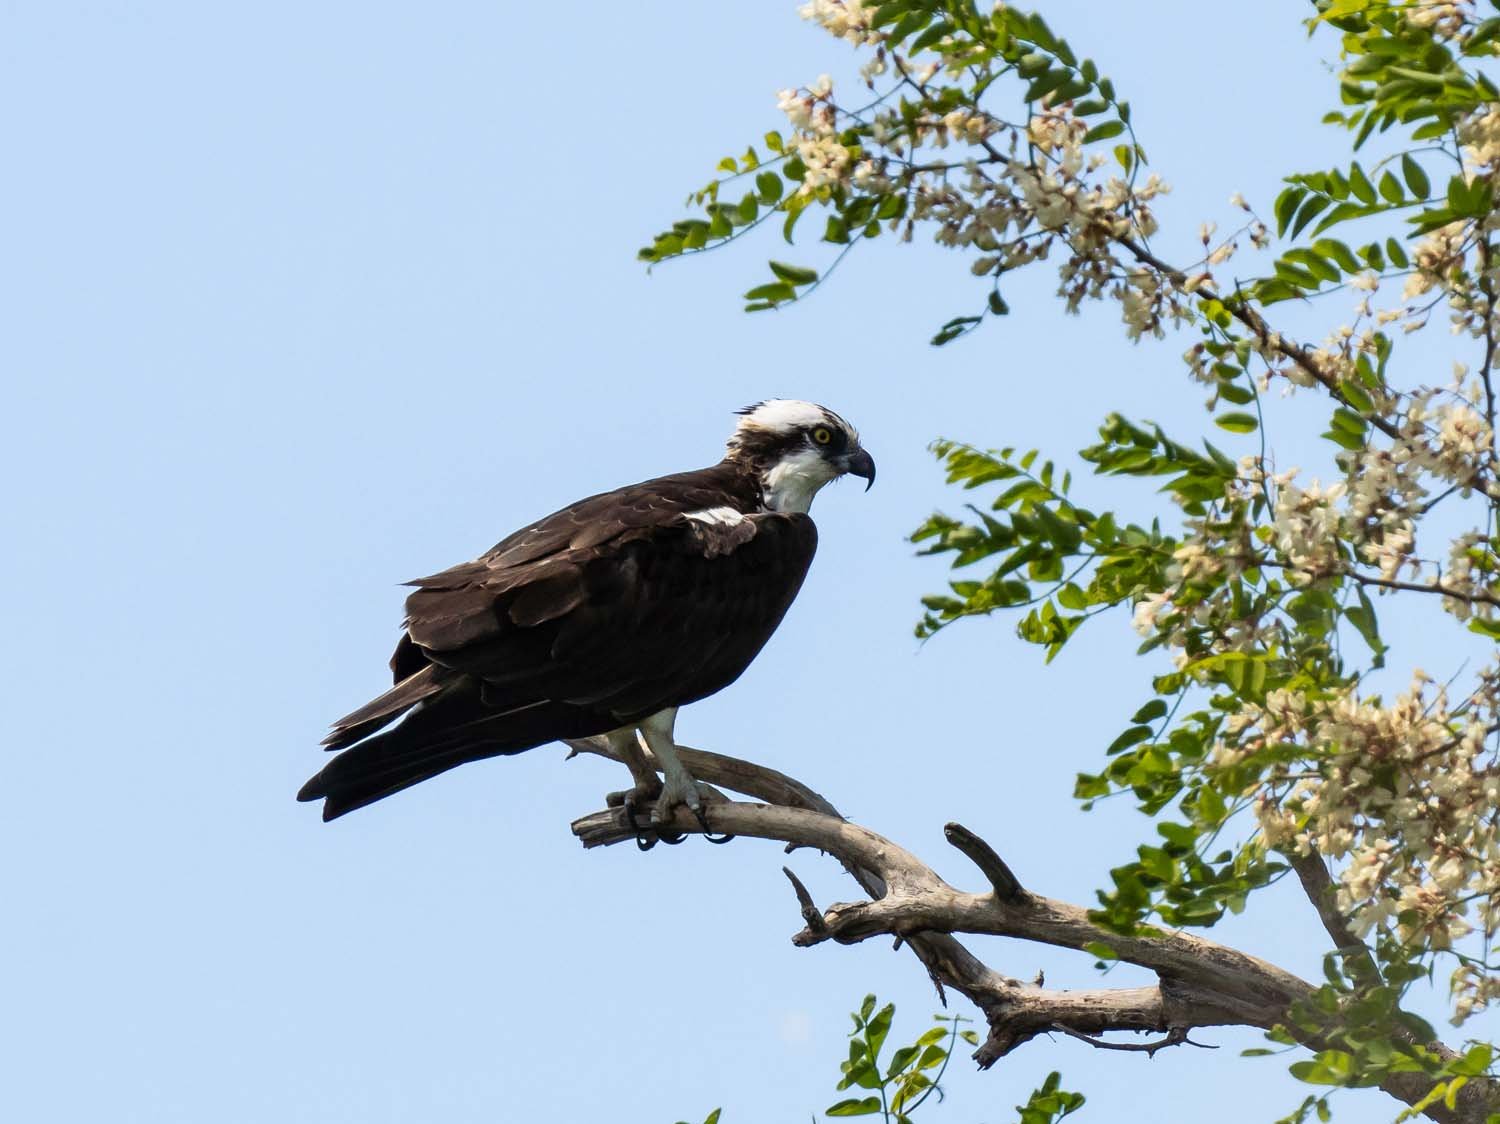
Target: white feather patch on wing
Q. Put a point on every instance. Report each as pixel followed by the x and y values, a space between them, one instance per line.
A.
pixel 716 517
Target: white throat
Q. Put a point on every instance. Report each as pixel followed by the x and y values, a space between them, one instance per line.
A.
pixel 793 481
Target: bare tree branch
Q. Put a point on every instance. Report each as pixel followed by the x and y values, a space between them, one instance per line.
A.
pixel 1177 1037
pixel 1201 983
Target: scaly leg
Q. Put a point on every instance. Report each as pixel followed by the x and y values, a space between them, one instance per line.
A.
pixel 647 787
pixel 680 787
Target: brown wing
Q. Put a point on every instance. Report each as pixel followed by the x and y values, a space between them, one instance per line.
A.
pixel 656 615
pixel 597 616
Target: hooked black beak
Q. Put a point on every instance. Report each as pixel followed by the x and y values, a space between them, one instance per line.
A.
pixel 860 463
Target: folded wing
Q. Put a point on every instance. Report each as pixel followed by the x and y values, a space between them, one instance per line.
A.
pixel 592 619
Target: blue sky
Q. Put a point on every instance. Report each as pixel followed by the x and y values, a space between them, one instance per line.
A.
pixel 305 300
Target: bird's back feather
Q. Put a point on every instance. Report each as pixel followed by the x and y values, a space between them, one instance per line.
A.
pixel 599 615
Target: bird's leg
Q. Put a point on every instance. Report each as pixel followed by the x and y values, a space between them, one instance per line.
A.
pixel 680 787
pixel 647 786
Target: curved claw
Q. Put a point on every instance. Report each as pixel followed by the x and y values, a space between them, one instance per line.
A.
pixel 646 840
pixel 629 801
pixel 707 831
pixel 646 835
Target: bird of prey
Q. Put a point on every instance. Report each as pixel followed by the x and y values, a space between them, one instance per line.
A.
pixel 602 619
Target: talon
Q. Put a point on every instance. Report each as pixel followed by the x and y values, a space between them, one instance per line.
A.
pixel 630 801
pixel 707 831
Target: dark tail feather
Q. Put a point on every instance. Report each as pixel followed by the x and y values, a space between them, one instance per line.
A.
pixel 427 744
pixel 386 709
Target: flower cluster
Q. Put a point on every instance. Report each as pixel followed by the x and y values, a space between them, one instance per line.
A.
pixel 815 118
pixel 1444 18
pixel 1404 794
pixel 1306 529
pixel 1025 190
pixel 1435 258
pixel 849 20
pixel 1480 135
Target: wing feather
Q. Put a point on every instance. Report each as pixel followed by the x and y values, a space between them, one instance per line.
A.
pixel 595 617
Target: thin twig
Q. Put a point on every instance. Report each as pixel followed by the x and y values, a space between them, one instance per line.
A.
pixel 1177 1036
pixel 811 915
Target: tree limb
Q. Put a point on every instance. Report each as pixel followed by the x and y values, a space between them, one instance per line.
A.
pixel 1201 983
pixel 1317 883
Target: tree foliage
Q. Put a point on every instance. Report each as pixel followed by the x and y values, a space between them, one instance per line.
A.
pixel 1289 729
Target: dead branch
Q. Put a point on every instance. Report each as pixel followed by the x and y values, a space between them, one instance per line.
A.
pixel 992 866
pixel 1201 983
pixel 1177 1036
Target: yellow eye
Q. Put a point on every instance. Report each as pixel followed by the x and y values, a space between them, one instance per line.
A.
pixel 822 435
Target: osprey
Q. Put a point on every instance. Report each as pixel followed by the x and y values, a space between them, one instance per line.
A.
pixel 602 619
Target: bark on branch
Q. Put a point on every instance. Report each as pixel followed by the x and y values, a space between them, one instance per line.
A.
pixel 1200 983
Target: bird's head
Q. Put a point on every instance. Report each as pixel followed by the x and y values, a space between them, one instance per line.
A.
pixel 795 448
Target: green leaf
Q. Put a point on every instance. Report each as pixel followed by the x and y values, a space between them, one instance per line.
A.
pixel 1415 177
pixel 776 291
pixel 1484 627
pixel 878 1028
pixel 1362 617
pixel 1339 252
pixel 1390 188
pixel 929 37
pixel 1431 219
pixel 768 185
pixel 1330 1067
pixel 1350 422
pixel 1345 440
pixel 1295 275
pixel 1309 211
pixel 1153 710
pixel 1237 422
pixel 1360 184
pixel 1421 78
pixel 1103 131
pixel 865 1107
pixel 1339 214
pixel 1475 1062
pixel 1484 33
pixel 794 274
pixel 1458 195
pixel 1318 266
pixel 1356 396
pixel 1132 736
pixel 1286 207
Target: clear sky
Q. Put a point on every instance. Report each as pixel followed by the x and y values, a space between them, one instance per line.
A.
pixel 303 300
